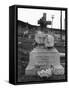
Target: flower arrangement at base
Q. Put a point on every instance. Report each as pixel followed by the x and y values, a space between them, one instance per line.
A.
pixel 45 73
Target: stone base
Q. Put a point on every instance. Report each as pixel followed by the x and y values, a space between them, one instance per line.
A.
pixel 31 72
pixel 45 58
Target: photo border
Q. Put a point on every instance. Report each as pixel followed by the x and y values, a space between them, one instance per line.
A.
pixel 16 43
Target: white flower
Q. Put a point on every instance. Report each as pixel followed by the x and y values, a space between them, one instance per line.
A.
pixel 58 70
pixel 45 73
pixel 49 41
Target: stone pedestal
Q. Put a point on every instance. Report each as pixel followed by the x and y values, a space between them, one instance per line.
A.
pixel 41 58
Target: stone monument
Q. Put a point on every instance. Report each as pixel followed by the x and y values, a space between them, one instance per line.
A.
pixel 44 55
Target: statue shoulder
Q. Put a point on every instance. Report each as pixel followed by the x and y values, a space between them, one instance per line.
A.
pixel 34 50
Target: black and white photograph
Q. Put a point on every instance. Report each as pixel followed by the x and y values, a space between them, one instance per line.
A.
pixel 34 44
pixel 41 45
pixel 37 44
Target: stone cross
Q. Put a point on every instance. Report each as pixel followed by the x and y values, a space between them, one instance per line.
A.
pixel 43 22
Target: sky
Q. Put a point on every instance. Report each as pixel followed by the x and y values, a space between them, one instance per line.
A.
pixel 33 15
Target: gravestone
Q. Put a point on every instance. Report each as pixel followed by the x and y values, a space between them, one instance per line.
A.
pixel 41 58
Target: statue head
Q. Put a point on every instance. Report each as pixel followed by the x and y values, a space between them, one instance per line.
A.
pixel 40 37
pixel 49 41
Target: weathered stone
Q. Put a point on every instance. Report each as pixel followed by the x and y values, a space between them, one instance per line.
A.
pixel 41 58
